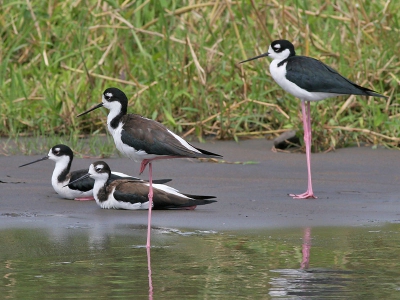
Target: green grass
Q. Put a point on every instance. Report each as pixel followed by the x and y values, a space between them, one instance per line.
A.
pixel 177 61
pixel 101 146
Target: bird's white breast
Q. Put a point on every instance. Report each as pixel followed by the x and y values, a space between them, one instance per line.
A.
pixel 128 151
pixel 279 75
pixel 61 189
pixel 112 203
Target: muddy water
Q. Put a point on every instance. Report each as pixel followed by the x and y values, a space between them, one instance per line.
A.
pixel 301 263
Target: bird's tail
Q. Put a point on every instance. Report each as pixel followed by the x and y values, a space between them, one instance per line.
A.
pixel 374 94
pixel 194 203
pixel 191 203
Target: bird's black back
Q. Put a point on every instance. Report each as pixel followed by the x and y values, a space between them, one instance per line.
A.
pixel 83 185
pixel 314 76
pixel 154 138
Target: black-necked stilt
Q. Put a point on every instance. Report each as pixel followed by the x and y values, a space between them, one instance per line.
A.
pixel 309 80
pixel 131 194
pixel 142 139
pixel 62 155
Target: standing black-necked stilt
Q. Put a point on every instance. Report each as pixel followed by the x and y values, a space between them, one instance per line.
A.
pixel 309 80
pixel 131 194
pixel 142 139
pixel 62 178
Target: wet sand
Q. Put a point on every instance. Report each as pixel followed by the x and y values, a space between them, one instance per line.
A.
pixel 355 187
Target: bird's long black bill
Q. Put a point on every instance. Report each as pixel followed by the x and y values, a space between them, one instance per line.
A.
pixel 80 178
pixel 93 108
pixel 253 58
pixel 32 162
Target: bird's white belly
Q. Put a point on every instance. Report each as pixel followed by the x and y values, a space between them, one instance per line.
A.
pixel 112 203
pixel 66 192
pixel 279 75
pixel 130 152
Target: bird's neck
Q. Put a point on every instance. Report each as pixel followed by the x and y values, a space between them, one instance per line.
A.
pixel 99 190
pixel 61 170
pixel 114 117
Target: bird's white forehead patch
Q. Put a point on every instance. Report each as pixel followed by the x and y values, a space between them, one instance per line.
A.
pixel 99 167
pixel 277 46
pixel 109 95
pixel 56 149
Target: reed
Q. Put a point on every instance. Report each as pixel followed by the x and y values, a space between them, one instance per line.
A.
pixel 177 61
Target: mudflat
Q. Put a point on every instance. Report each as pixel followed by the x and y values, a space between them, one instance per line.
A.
pixel 355 186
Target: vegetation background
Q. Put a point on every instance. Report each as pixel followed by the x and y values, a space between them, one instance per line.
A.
pixel 177 61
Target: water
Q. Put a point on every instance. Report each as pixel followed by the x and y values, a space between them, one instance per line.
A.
pixel 309 263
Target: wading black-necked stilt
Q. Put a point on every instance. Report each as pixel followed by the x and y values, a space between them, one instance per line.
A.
pixel 131 194
pixel 309 80
pixel 142 139
pixel 62 155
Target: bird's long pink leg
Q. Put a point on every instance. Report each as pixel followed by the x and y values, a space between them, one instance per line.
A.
pixel 143 165
pixel 306 112
pixel 146 161
pixel 150 205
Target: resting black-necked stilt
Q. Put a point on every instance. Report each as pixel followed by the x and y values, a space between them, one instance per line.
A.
pixel 142 139
pixel 61 179
pixel 309 80
pixel 131 194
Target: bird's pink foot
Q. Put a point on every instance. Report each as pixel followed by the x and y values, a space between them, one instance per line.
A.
pixel 143 165
pixel 84 198
pixel 306 195
pixel 189 207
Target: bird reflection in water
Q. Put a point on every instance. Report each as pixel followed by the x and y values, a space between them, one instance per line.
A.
pixel 149 274
pixel 305 261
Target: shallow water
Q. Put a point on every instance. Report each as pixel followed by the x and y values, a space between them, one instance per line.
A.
pixel 309 263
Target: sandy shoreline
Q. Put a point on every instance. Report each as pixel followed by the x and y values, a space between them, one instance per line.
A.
pixel 355 186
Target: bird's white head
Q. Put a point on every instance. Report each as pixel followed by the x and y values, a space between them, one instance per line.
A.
pixel 61 154
pixel 281 49
pixel 115 100
pixel 99 170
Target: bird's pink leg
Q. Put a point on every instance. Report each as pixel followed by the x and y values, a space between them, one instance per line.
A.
pixel 147 161
pixel 143 165
pixel 306 112
pixel 150 205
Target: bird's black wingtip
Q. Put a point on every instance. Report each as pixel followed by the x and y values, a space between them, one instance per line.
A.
pixel 201 197
pixel 374 94
pixel 209 154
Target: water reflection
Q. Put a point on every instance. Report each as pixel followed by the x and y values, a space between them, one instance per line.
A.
pixel 305 261
pixel 319 263
pixel 305 283
pixel 149 273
